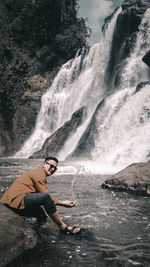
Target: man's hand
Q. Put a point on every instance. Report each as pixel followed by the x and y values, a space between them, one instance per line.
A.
pixel 67 203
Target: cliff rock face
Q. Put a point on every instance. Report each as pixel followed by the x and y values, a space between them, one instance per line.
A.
pixel 25 117
pixel 124 38
pixel 16 236
pixel 87 142
pixel 5 140
pixel 135 179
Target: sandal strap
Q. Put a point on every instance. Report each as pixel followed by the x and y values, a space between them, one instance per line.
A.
pixel 66 230
pixel 70 231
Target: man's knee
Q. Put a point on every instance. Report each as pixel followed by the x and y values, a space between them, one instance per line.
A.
pixel 47 198
pixel 39 199
pixel 49 204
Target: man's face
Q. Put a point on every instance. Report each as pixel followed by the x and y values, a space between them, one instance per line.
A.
pixel 50 166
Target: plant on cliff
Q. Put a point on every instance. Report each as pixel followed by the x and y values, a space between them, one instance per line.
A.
pixel 49 28
pixel 36 37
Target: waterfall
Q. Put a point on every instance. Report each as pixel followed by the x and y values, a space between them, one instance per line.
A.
pixel 122 123
pixel 124 134
pixel 79 82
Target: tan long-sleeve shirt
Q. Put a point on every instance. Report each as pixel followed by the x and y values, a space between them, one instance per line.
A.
pixel 29 182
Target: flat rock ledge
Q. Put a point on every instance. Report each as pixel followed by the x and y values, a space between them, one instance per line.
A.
pixel 135 178
pixel 16 236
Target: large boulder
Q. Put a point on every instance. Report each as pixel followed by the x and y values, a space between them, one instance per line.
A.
pixel 56 141
pixel 16 236
pixel 87 141
pixel 135 178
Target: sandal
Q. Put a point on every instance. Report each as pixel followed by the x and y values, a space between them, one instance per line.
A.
pixel 70 231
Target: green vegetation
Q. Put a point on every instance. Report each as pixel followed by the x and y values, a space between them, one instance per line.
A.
pixel 36 36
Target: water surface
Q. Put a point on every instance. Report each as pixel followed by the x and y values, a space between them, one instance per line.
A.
pixel 118 223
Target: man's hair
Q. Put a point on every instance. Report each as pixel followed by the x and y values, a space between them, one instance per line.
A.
pixel 51 158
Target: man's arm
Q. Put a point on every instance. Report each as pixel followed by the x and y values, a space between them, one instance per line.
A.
pixel 41 186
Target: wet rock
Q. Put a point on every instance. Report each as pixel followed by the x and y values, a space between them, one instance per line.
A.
pixel 86 143
pixel 135 178
pixel 7 164
pixel 141 85
pixel 56 141
pixel 16 236
pixel 146 58
pixel 38 83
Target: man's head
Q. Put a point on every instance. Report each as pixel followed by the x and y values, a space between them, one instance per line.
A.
pixel 50 165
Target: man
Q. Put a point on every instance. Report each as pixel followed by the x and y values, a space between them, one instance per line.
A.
pixel 29 192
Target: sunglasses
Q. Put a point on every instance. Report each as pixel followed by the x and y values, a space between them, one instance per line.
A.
pixel 52 166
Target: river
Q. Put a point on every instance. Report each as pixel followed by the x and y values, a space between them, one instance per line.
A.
pixel 118 223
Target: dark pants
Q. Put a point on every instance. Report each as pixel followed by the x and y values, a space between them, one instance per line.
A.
pixel 33 203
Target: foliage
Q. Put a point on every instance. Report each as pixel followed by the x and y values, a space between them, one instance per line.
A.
pixel 35 24
pixel 36 37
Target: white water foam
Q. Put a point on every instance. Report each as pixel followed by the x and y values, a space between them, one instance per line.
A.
pixel 124 135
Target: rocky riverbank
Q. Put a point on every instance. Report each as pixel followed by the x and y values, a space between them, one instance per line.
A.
pixel 135 178
pixel 16 236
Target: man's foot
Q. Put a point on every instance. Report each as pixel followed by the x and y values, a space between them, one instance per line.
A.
pixel 68 230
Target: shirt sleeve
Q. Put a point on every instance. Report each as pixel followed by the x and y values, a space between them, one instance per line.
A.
pixel 56 201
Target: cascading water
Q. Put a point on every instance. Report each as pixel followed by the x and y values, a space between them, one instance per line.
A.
pixel 78 83
pixel 122 124
pixel 124 134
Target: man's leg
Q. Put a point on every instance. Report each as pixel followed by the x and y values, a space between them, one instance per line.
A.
pixel 34 200
pixel 37 212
